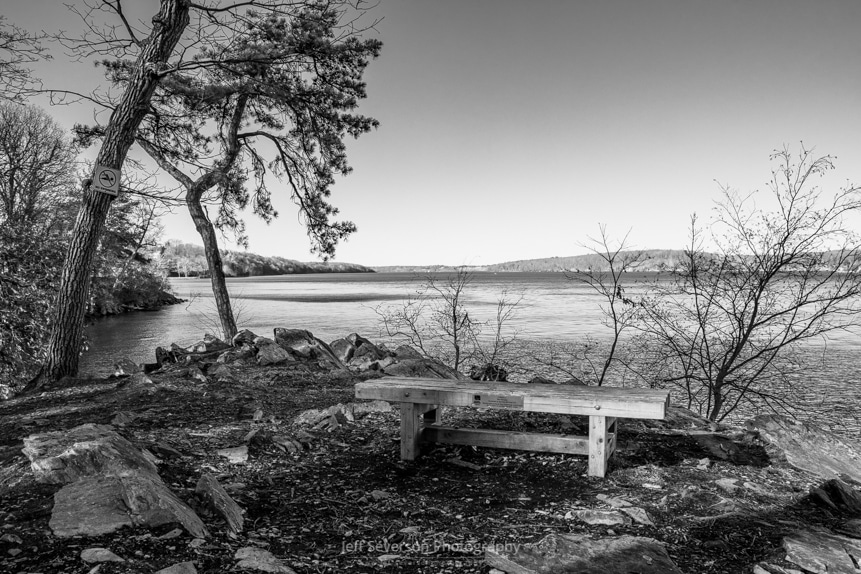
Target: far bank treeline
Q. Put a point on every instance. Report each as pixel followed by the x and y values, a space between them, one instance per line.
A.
pixel 651 260
pixel 189 260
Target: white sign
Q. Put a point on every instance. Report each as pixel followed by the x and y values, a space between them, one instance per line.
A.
pixel 107 180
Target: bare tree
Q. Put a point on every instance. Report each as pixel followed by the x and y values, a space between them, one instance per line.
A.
pixel 271 93
pixel 37 166
pixel 169 56
pixel 437 322
pixel 608 280
pixel 18 49
pixel 725 329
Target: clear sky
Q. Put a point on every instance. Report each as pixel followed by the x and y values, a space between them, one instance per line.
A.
pixel 511 129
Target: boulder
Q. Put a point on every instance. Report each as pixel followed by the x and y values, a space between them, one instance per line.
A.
pixel 243 337
pixel 808 447
pixel 214 494
pixel 822 552
pixel 488 372
pixel 243 353
pixel 366 355
pixel 164 356
pixel 723 447
pixel 584 555
pixel 368 352
pixel 99 505
pixel 272 354
pixel 405 352
pixel 840 496
pixel 424 368
pixel 343 349
pixel 683 419
pixel 357 339
pixel 212 343
pixel 304 343
pixel 209 344
pixel 66 456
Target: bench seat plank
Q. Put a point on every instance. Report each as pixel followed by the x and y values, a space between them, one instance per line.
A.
pixel 561 399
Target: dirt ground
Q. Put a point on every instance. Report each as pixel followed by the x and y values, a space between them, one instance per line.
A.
pixel 346 503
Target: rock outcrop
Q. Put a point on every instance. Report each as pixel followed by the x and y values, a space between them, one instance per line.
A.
pixel 427 368
pixel 88 450
pixel 808 447
pixel 108 483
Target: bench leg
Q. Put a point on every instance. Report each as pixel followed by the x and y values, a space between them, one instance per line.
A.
pixel 411 428
pixel 598 427
pixel 434 416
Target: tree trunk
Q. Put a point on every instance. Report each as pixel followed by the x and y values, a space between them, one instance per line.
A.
pixel 717 405
pixel 216 267
pixel 65 342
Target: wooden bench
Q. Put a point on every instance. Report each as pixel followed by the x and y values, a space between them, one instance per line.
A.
pixel 422 401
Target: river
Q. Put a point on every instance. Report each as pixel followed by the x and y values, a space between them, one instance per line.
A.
pixel 331 306
pixel 334 305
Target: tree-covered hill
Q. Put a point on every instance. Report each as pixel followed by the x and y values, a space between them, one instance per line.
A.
pixel 188 260
pixel 653 260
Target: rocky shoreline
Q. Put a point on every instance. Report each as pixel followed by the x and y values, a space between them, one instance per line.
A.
pixel 164 299
pixel 253 455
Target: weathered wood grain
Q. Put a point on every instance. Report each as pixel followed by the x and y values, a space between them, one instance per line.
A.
pixel 563 399
pixel 506 439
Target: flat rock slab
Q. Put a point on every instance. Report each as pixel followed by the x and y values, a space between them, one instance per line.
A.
pixel 98 555
pixel 215 495
pixel 584 555
pixel 808 447
pixel 251 558
pixel 604 517
pixel 235 455
pixel 180 568
pixel 87 450
pixel 823 553
pixel 99 505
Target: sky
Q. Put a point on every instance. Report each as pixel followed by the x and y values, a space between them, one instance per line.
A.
pixel 512 130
